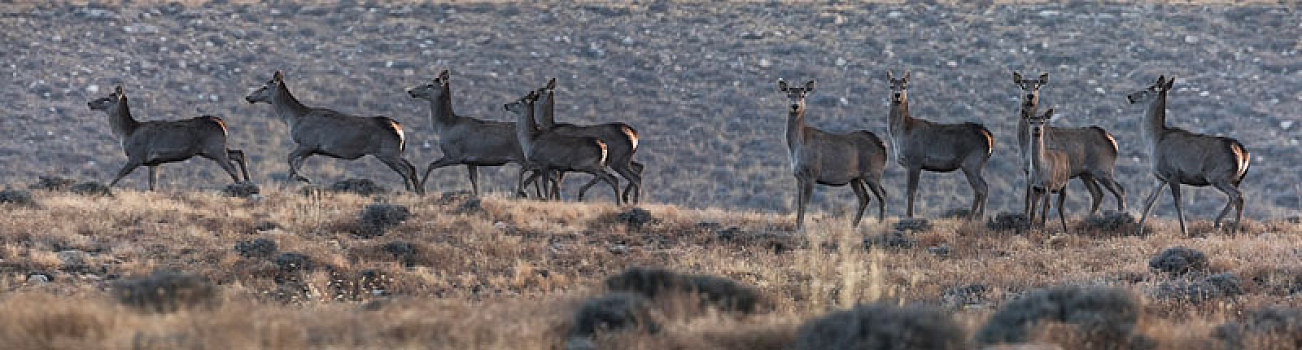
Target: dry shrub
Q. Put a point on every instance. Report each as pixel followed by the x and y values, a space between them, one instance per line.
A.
pixel 1267 328
pixel 43 321
pixel 721 292
pixel 51 183
pixel 241 190
pixel 256 248
pixel 882 326
pixel 1211 287
pixel 165 291
pixel 609 313
pixel 1009 222
pixel 1105 316
pixel 364 187
pixel 91 188
pixel 376 218
pixel 1179 261
pixel 17 197
pixel 291 262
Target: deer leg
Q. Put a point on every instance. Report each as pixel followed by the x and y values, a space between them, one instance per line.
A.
pixel 223 159
pixel 401 166
pixel 442 162
pixel 876 186
pixel 126 169
pixel 1096 193
pixel 633 177
pixel 1033 201
pixel 1234 199
pixel 473 172
pixel 806 189
pixel 1179 209
pixel 237 156
pixel 595 180
pixel 614 184
pixel 1148 203
pixel 1044 207
pixel 1117 190
pixel 637 169
pixel 153 177
pixel 1062 215
pixel 522 182
pixel 554 186
pixel 1028 208
pixel 296 159
pixel 980 190
pixel 411 175
pixel 914 173
pixel 860 192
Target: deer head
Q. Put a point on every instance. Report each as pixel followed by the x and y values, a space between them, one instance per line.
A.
pixel 521 106
pixel 434 89
pixel 1162 85
pixel 1030 88
pixel 1038 124
pixel 899 87
pixel 265 93
pixel 796 95
pixel 107 103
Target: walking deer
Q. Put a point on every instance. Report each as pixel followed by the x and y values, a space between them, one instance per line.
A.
pixel 1177 157
pixel 465 140
pixel 920 144
pixel 1049 169
pixel 153 143
pixel 1091 150
pixel 855 158
pixel 550 152
pixel 334 134
pixel 620 138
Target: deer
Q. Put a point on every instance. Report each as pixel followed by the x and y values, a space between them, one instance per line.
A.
pixel 1181 157
pixel 621 139
pixel 1091 150
pixel 1050 169
pixel 550 152
pixel 466 140
pixel 333 134
pixel 153 143
pixel 921 144
pixel 856 158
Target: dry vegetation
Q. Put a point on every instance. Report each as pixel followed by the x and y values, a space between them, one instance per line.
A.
pixel 505 273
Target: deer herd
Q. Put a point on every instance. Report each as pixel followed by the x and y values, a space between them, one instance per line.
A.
pixel 545 150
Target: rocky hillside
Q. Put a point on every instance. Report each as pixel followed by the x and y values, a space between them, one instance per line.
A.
pixel 696 79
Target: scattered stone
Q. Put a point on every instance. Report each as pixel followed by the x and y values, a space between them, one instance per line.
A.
pixel 17 197
pixel 376 218
pixel 256 248
pixel 51 183
pixel 913 224
pixel 636 218
pixel 91 188
pixel 1009 221
pixel 241 190
pixel 294 262
pixel 940 250
pixel 266 226
pixel 364 187
pixel 39 278
pixel 1179 261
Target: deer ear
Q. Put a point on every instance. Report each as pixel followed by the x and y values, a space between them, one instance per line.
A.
pixel 1048 114
pixel 906 76
pixel 278 76
pixel 1017 77
pixel 444 74
pixel 118 90
pixel 809 86
pixel 1044 78
pixel 1161 80
pixel 1169 82
pixel 782 85
pixel 889 75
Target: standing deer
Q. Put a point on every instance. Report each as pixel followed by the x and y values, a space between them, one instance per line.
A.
pixel 621 139
pixel 920 144
pixel 334 134
pixel 1049 169
pixel 1091 150
pixel 550 152
pixel 1177 157
pixel 465 140
pixel 153 143
pixel 855 158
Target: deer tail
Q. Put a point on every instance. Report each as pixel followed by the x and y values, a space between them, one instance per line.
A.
pixel 604 151
pixel 632 135
pixel 1242 156
pixel 397 130
pixel 220 123
pixel 990 141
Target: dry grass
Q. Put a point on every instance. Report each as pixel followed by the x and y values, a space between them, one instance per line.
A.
pixel 509 276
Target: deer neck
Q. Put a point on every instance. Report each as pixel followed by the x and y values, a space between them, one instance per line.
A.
pixel 1024 129
pixel 1039 153
pixel 121 122
pixel 547 119
pixel 441 111
pixel 287 106
pixel 1155 117
pixel 896 123
pixel 525 129
pixel 795 129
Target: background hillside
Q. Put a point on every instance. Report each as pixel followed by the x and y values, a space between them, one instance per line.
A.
pixel 697 79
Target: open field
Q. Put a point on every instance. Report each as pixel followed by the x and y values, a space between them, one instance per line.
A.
pixel 696 79
pixel 508 273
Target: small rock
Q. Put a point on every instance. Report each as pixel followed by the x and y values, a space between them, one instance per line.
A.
pixel 636 218
pixel 940 250
pixel 91 188
pixel 39 278
pixel 619 249
pixel 913 224
pixel 241 190
pixel 364 187
pixel 294 262
pixel 256 248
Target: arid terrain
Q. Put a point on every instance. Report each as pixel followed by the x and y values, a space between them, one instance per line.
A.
pixel 300 266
